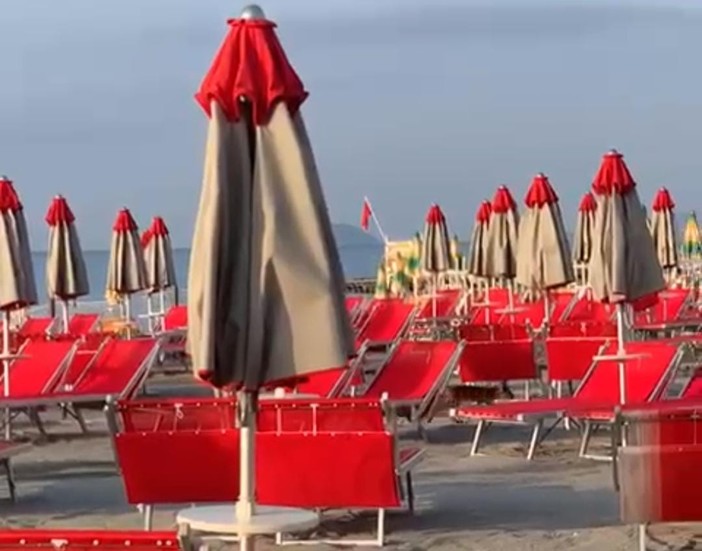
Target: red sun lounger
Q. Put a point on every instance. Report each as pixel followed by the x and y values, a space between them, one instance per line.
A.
pixel 176 318
pixel 387 319
pixel 310 454
pixel 118 369
pixel 414 374
pixel 646 374
pixel 59 539
pixel 83 324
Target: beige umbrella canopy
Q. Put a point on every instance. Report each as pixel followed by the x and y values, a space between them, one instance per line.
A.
pixel 66 275
pixel 582 247
pixel 17 284
pixel 158 256
pixel 477 262
pixel 126 271
pixel 501 246
pixel 543 253
pixel 436 246
pixel 623 266
pixel 265 285
pixel 663 230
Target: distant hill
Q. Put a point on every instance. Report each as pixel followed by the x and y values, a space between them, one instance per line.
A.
pixel 351 236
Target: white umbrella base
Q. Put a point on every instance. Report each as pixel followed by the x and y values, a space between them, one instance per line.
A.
pixel 221 520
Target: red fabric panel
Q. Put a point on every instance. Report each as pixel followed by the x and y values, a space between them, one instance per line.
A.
pixel 328 470
pixel 385 322
pixel 35 327
pixel 177 414
pixel 352 303
pixel 478 332
pixel 661 484
pixel 586 309
pixel 583 329
pixel 336 470
pixel 20 539
pixel 669 308
pixel 179 467
pixel 32 375
pixel 320 383
pixel 446 302
pixel 84 355
pixel 334 415
pixel 115 367
pixel 82 324
pixel 497 361
pixel 568 359
pixel 412 370
pixel 176 318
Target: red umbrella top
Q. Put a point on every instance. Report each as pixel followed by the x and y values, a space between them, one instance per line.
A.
pixel 588 203
pixel 503 201
pixel 59 212
pixel 663 201
pixel 252 64
pixel 435 215
pixel 9 200
pixel 484 212
pixel 157 228
pixel 540 192
pixel 124 222
pixel 613 175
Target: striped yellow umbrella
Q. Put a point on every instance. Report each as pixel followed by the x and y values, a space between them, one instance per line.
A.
pixel 381 281
pixel 691 246
pixel 399 279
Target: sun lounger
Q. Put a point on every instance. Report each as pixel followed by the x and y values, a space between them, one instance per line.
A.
pixel 386 322
pixel 414 375
pixel 493 361
pixel 569 358
pixel 657 472
pixel 60 539
pixel 310 454
pixel 647 370
pixel 446 304
pixel 175 318
pixel 117 370
pixel 80 325
pixel 8 450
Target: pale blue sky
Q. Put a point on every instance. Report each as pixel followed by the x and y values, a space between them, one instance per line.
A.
pixel 411 102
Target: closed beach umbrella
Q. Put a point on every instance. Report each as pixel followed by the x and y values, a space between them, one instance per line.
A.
pixel 477 263
pixel 436 248
pixel 66 274
pixel 265 285
pixel 126 271
pixel 501 246
pixel 663 230
pixel 623 267
pixel 691 246
pixel 582 246
pixel 158 255
pixel 17 286
pixel 543 259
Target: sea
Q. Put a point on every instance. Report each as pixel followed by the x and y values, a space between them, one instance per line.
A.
pixel 358 260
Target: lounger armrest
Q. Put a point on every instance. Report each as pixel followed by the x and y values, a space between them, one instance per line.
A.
pixel 409 458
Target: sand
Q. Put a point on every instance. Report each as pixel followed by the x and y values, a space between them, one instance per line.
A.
pixel 497 501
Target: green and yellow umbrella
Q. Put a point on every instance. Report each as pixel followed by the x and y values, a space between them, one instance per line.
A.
pixel 381 281
pixel 414 262
pixel 691 246
pixel 400 279
pixel 457 258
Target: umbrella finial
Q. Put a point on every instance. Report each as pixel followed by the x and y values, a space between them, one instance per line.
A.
pixel 613 152
pixel 252 11
pixel 4 177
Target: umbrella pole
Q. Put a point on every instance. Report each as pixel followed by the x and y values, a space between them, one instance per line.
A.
pixel 6 370
pixel 128 314
pixel 64 315
pixel 620 351
pixel 245 507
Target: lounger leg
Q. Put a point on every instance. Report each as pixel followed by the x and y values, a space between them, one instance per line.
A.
pixel 534 440
pixel 81 421
pixel 585 441
pixel 10 475
pixel 381 527
pixel 410 492
pixel 476 437
pixel 148 517
pixel 642 537
pixel 185 538
pixel 35 419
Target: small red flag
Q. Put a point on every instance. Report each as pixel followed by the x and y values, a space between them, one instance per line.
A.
pixel 366 214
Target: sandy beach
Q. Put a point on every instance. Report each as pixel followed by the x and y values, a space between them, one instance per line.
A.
pixel 497 501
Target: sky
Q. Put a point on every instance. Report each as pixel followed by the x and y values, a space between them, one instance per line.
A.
pixel 411 102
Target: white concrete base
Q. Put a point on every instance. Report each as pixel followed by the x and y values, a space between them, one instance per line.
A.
pixel 221 520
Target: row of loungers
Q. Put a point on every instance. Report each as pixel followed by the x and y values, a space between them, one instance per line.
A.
pixel 71 373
